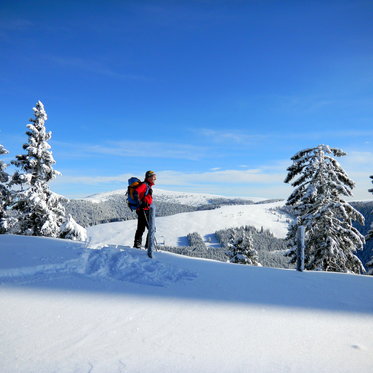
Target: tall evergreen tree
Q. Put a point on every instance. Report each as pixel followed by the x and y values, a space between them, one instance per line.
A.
pixel 242 248
pixel 330 239
pixel 40 211
pixel 4 194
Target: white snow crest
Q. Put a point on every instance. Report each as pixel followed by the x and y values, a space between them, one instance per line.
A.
pixel 131 265
pixel 108 263
pixel 232 318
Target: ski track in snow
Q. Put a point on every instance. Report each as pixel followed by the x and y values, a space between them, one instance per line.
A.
pixel 109 263
pixel 129 265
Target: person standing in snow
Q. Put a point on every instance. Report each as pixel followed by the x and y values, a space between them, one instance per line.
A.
pixel 144 195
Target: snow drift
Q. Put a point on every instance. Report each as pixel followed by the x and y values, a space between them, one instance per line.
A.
pixel 66 308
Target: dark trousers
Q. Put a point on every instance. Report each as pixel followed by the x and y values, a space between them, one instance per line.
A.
pixel 142 223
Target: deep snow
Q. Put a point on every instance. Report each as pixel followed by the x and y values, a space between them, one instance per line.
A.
pixel 66 308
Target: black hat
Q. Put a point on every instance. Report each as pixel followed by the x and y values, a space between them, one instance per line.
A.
pixel 149 174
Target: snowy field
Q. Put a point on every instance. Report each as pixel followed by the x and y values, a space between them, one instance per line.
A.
pixel 65 308
pixel 172 230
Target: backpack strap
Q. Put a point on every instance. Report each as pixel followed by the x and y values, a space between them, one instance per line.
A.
pixel 147 189
pixel 136 193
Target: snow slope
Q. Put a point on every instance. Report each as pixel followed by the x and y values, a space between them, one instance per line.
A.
pixel 173 229
pixel 65 308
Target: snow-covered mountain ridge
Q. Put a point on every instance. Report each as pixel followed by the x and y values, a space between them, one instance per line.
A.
pixel 183 198
pixel 112 206
pixel 174 229
pixel 67 308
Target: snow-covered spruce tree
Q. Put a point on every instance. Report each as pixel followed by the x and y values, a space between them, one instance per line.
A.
pixel 39 210
pixel 4 194
pixel 71 230
pixel 241 249
pixel 196 242
pixel 330 239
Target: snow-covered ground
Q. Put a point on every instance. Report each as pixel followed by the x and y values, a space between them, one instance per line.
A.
pixel 65 308
pixel 172 230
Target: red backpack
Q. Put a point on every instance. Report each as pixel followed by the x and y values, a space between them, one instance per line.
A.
pixel 133 184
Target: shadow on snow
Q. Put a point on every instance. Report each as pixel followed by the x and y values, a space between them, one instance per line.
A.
pixel 50 264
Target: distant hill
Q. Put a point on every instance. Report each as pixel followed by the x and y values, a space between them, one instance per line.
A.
pixel 182 198
pixel 112 206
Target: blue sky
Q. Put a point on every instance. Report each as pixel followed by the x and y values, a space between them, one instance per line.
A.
pixel 215 96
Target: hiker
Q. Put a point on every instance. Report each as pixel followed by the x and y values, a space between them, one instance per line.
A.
pixel 144 196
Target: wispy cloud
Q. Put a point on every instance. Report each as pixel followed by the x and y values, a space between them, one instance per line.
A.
pixel 333 133
pixel 304 103
pixel 227 177
pixel 91 180
pixel 266 181
pixel 131 149
pixel 13 25
pixel 93 66
pixel 171 177
pixel 359 159
pixel 225 136
pixel 244 137
pixel 337 97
